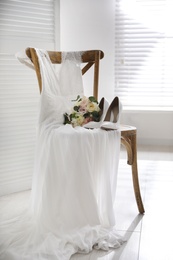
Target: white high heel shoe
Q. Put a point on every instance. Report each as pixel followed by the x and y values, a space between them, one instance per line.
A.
pixel 111 120
pixel 103 108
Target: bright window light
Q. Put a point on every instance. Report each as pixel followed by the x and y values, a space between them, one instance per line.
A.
pixel 144 53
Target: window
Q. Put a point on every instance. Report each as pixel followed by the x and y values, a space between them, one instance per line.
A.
pixel 144 53
pixel 23 23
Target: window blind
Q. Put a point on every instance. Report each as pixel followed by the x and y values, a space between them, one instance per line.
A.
pixel 27 19
pixel 144 53
pixel 22 24
pixel 18 116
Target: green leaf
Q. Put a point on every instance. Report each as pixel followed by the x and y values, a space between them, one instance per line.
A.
pixel 76 108
pixel 66 119
pixel 93 99
pixel 76 98
pixel 72 116
pixel 96 116
pixel 86 115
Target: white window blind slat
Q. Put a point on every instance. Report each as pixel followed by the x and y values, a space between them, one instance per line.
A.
pixel 144 53
pixel 23 19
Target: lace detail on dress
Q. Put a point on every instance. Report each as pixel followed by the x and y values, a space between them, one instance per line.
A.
pixel 72 56
pixel 70 75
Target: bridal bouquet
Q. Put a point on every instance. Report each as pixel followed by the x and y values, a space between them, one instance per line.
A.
pixel 84 110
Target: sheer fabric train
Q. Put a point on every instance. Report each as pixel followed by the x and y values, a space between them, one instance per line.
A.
pixel 74 180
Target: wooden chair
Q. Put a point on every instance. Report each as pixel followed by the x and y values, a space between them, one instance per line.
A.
pixel 128 133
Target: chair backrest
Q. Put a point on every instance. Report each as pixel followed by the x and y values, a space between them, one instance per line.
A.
pixel 89 58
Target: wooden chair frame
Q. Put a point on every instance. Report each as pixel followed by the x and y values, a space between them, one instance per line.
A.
pixel 128 133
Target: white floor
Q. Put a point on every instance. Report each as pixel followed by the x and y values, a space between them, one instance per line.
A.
pixel 149 235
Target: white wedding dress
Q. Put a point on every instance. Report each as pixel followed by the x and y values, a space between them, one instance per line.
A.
pixel 74 182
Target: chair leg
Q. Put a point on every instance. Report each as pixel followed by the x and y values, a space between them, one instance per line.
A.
pixel 130 143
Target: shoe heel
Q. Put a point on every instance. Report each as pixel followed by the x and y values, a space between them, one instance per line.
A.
pixel 111 119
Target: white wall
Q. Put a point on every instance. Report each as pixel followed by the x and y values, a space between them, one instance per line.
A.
pixel 89 24
pixel 153 127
